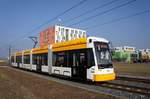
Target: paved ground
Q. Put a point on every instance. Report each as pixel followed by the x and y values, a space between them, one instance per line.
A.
pixel 18 85
pixel 136 69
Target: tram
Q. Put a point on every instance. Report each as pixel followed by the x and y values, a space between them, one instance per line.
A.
pixel 84 58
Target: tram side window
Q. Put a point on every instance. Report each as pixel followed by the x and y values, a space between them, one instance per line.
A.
pixel 82 59
pixel 69 59
pixel 34 59
pixel 44 59
pixel 77 58
pixel 90 59
pixel 59 59
pixel 40 59
pixel 54 59
pixel 18 59
pixel 12 58
pixel 26 59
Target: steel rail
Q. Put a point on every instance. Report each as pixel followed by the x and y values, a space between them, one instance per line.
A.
pixel 128 88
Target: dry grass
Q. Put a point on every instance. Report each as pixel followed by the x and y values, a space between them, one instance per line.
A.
pixel 3 62
pixel 136 69
pixel 18 85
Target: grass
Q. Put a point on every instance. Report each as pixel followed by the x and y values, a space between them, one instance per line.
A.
pixel 136 69
pixel 2 77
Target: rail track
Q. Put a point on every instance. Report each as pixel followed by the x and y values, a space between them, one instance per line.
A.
pixel 134 79
pixel 128 88
pixel 125 87
pixel 134 85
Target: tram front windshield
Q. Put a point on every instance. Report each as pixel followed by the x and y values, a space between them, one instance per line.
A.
pixel 103 55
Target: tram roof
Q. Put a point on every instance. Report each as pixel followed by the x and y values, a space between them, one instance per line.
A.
pixel 40 50
pixel 70 45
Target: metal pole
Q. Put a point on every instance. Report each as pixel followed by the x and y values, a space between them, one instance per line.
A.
pixel 9 54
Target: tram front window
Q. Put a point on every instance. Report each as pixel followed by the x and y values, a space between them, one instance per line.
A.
pixel 103 55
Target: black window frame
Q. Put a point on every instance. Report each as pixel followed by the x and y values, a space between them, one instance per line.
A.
pixel 40 58
pixel 87 62
pixel 19 59
pixel 26 59
pixel 57 61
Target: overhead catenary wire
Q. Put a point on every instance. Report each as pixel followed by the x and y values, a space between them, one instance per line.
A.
pixel 104 12
pixel 119 19
pixel 54 18
pixel 89 11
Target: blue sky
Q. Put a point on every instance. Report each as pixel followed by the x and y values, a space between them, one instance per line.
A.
pixel 18 17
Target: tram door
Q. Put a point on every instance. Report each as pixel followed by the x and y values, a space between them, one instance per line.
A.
pixel 39 63
pixel 79 65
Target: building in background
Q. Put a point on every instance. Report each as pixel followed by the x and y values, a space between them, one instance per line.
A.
pixel 145 54
pixel 145 51
pixel 125 54
pixel 57 34
pixel 118 49
pixel 125 49
pixel 130 54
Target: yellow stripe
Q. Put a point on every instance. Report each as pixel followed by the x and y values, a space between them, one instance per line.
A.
pixel 40 50
pixel 104 77
pixel 26 52
pixel 18 53
pixel 63 46
pixel 70 45
pixel 73 47
pixel 71 42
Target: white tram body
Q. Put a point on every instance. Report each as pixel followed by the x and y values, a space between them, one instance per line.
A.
pixel 83 58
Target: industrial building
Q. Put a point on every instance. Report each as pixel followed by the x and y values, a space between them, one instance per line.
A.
pixel 130 54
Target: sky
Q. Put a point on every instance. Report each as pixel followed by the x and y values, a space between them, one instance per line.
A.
pixel 20 17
